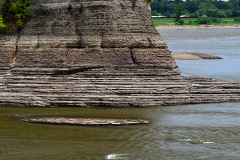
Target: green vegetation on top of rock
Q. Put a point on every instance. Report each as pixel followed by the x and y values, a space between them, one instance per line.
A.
pixel 2 25
pixel 14 14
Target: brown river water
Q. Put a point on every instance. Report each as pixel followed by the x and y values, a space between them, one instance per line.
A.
pixel 200 131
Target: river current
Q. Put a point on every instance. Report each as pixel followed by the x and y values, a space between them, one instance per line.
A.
pixel 200 131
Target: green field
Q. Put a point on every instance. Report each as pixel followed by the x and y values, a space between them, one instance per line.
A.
pixel 193 21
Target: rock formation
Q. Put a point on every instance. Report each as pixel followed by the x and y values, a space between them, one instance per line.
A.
pixel 96 53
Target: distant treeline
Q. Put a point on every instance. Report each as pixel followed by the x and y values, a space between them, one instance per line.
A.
pixel 197 8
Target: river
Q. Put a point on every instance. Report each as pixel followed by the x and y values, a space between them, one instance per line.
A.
pixel 202 131
pixel 221 42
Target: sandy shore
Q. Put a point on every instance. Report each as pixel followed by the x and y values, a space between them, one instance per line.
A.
pixel 183 56
pixel 196 27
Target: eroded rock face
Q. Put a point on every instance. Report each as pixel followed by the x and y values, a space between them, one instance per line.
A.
pixel 90 24
pixel 68 32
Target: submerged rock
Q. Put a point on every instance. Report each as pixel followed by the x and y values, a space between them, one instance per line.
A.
pixel 86 121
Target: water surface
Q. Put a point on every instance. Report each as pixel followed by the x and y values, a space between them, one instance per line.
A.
pixel 209 131
pixel 221 42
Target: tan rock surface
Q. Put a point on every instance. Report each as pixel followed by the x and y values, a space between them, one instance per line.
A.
pixel 193 56
pixel 184 56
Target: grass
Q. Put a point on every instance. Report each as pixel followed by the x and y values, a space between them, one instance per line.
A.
pixel 36 47
pixel 193 22
pixel 229 22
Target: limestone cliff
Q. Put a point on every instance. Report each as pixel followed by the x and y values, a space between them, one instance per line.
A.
pixel 84 32
pixel 90 24
pixel 96 53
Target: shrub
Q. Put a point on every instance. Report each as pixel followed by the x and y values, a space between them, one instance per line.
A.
pixel 217 20
pixel 15 14
pixel 190 22
pixel 155 13
pixel 180 22
pixel 204 20
pixel 237 19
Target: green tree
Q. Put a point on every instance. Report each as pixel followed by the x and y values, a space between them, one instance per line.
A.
pixel 236 13
pixel 221 14
pixel 206 6
pixel 234 4
pixel 211 12
pixel 179 8
pixel 229 12
pixel 197 8
pixel 155 13
pixel 15 14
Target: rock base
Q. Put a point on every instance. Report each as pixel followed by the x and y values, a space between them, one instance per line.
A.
pixel 109 87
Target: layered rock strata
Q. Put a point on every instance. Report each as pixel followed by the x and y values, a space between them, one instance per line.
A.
pixel 111 86
pixel 96 53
